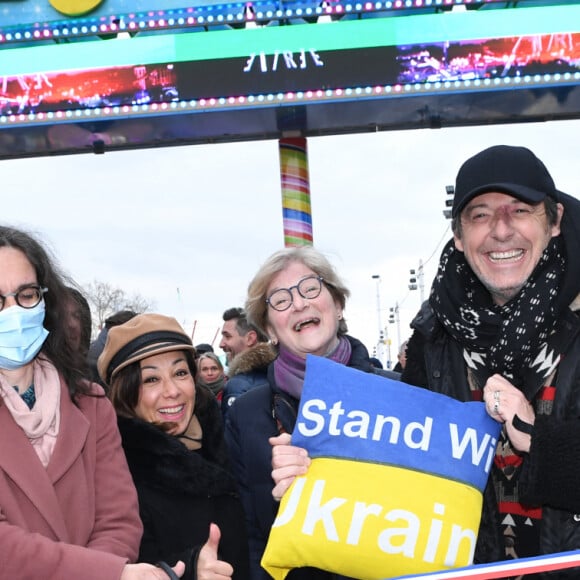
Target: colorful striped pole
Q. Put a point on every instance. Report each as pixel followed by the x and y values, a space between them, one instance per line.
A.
pixel 294 176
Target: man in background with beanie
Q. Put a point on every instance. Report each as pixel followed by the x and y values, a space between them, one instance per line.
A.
pixel 502 325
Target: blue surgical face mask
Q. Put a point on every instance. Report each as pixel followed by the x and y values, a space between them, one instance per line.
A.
pixel 21 335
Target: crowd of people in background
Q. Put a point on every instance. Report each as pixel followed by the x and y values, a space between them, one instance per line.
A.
pixel 140 455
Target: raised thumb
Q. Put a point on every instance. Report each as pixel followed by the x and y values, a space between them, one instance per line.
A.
pixel 213 541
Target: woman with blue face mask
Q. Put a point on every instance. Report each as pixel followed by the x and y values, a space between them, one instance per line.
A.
pixel 68 507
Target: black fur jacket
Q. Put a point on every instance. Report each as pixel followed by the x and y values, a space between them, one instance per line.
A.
pixel 181 492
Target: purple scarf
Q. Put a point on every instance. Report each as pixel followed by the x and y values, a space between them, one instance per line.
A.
pixel 289 369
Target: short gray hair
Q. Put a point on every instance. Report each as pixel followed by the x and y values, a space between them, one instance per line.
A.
pixel 256 306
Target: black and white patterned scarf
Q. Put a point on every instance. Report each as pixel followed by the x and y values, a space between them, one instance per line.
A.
pixel 517 339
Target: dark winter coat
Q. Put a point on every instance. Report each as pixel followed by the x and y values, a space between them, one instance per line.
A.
pixel 181 492
pixel 254 418
pixel 552 468
pixel 248 370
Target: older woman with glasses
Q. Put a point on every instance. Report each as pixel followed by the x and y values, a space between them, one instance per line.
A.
pixel 298 300
pixel 68 507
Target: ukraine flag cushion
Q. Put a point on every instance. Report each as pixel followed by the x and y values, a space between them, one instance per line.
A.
pixel 396 480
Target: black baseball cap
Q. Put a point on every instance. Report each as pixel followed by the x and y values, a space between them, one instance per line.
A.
pixel 505 169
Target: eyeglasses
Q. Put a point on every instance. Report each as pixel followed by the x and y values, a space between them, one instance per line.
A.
pixel 26 297
pixel 482 215
pixel 309 288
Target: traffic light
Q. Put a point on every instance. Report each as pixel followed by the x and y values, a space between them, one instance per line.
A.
pixel 412 280
pixel 450 191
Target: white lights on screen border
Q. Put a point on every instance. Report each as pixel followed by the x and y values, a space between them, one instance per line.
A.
pixel 224 14
pixel 281 98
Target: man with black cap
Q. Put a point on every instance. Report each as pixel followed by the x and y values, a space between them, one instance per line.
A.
pixel 502 325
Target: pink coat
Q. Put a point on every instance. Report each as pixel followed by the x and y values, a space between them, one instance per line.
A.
pixel 79 517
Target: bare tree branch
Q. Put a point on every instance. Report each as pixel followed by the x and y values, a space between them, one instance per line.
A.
pixel 106 299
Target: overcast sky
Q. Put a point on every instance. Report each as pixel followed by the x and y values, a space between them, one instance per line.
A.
pixel 203 218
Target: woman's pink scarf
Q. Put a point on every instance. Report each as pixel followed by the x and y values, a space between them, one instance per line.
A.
pixel 41 423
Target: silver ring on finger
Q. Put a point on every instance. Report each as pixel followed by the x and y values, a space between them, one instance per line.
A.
pixel 495 402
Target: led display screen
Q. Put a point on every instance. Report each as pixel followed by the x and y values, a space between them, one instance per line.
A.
pixel 290 60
